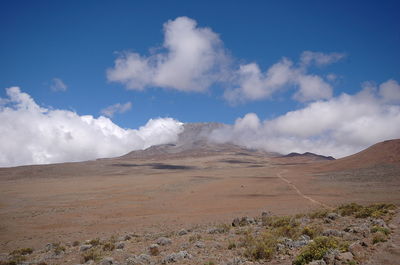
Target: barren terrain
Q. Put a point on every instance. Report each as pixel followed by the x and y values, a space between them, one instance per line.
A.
pixel 167 192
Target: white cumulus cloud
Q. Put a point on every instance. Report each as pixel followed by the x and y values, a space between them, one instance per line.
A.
pixel 31 134
pixel 253 84
pixel 116 108
pixel 58 85
pixel 191 59
pixel 339 126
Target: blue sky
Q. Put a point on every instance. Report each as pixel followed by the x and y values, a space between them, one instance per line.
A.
pixel 75 43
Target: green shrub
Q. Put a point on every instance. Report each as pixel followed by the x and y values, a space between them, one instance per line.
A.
pixel 316 250
pixel 92 254
pixel 261 247
pixel 95 242
pixel 194 238
pixel 311 231
pixel 58 248
pixel 231 245
pixel 349 209
pixel 224 228
pixel 320 213
pixel 384 230
pixel 21 251
pixel 378 210
pixel 379 237
pixel 108 246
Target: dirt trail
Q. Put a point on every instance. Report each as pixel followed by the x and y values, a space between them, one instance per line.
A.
pixel 279 174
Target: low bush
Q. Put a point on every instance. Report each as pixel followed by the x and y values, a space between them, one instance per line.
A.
pixel 311 231
pixel 260 247
pixel 379 237
pixel 318 248
pixel 384 230
pixel 92 254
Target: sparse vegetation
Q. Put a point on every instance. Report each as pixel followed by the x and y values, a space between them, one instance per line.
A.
pixel 92 254
pixel 378 210
pixel 311 230
pixel 95 242
pixel 21 251
pixel 58 248
pixel 194 238
pixel 260 247
pixel 316 250
pixel 383 230
pixel 284 235
pixel 224 228
pixel 379 237
pixel 319 213
pixel 108 246
pixel 231 245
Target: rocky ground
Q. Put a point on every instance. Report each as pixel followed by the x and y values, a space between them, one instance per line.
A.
pixel 348 234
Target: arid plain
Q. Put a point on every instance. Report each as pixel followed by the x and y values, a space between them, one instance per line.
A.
pixel 155 190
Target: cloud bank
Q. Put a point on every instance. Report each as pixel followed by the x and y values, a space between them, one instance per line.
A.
pixel 339 126
pixel 31 134
pixel 193 59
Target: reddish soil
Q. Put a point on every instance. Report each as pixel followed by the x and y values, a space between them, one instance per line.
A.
pixel 77 201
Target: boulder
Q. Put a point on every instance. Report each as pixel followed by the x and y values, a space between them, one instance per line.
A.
pixel 162 241
pixel 120 245
pixel 346 256
pixel 85 247
pixel 182 232
pixel 174 257
pixel 332 216
pixel 108 261
pixel 317 262
pixel 154 250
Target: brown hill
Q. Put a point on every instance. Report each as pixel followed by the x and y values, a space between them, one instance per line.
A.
pixel 383 153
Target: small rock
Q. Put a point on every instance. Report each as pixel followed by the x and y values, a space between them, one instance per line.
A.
pixel 174 257
pixel 85 247
pixel 182 232
pixel 235 261
pixel 108 261
pixel 142 259
pixel 357 250
pixel 216 230
pixel 327 220
pixel 49 246
pixel 236 222
pixel 154 250
pixel 332 216
pixel 332 232
pixel 120 245
pixel 379 222
pixel 199 244
pixel 346 256
pixel 330 255
pixel 162 241
pixel 124 238
pixel 317 262
pixel 265 214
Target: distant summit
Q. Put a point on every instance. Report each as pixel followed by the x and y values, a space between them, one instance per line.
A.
pixel 192 141
pixel 310 156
